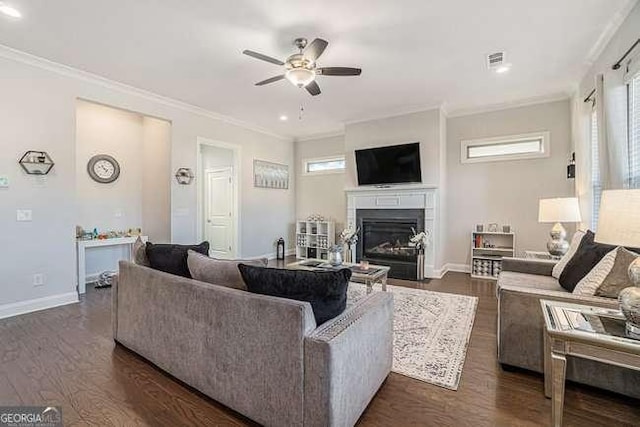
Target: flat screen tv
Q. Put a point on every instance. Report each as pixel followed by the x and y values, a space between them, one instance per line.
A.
pixel 395 164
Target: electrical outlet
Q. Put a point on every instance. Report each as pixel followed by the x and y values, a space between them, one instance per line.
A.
pixel 119 213
pixel 24 215
pixel 38 279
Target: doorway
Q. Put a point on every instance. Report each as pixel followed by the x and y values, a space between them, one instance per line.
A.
pixel 218 196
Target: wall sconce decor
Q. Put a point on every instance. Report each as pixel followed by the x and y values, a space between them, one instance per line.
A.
pixel 36 162
pixel 184 176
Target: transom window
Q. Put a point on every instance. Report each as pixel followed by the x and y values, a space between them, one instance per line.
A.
pixel 514 147
pixel 324 165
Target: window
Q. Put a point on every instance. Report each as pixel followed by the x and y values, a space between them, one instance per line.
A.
pixel 324 165
pixel 596 183
pixel 515 147
pixel 634 131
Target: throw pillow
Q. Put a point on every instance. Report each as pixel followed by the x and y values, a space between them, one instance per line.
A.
pixel 173 258
pixel 618 277
pixel 589 254
pixel 325 290
pixel 140 253
pixel 596 277
pixel 222 272
pixel 573 247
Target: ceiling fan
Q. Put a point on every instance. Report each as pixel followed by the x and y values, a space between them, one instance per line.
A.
pixel 301 68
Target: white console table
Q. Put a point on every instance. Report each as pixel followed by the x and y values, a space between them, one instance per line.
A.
pixel 83 245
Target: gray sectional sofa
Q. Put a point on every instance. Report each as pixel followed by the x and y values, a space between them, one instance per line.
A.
pixel 521 285
pixel 262 356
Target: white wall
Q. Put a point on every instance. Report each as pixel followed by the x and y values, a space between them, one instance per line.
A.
pixel 320 194
pixel 505 192
pixel 38 109
pixel 156 179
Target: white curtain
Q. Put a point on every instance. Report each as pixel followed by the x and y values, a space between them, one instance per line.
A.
pixel 611 107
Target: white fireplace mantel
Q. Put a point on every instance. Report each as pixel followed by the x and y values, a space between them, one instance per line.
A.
pixel 399 197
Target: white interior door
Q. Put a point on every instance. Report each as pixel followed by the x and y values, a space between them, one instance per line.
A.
pixel 218 212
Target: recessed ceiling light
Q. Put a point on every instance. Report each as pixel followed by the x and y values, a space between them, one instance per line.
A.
pixel 503 69
pixel 284 118
pixel 10 11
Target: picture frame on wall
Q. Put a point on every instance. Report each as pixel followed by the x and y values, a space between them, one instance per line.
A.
pixel 270 175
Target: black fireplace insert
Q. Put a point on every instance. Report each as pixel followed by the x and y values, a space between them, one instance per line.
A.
pixel 385 239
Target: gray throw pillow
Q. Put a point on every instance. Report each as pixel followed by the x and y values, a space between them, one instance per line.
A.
pixel 140 253
pixel 222 272
pixel 618 277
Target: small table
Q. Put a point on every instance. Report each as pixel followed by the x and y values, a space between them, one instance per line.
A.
pixel 369 275
pixel 84 245
pixel 583 331
pixel 541 255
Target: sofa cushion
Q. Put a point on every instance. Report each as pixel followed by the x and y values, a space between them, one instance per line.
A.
pixel 222 272
pixel 573 248
pixel 589 254
pixel 618 277
pixel 325 290
pixel 596 277
pixel 173 258
pixel 524 280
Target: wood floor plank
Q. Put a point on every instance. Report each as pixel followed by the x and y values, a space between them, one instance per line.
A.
pixel 66 356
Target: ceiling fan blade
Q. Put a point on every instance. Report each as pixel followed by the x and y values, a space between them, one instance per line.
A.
pixel 315 49
pixel 270 80
pixel 338 71
pixel 313 88
pixel 262 57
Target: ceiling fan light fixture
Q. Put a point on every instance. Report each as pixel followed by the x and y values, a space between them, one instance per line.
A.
pixel 300 77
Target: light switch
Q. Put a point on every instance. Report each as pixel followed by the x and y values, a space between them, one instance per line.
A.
pixel 24 215
pixel 4 181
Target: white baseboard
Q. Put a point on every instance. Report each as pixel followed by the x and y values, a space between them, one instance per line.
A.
pixel 457 268
pixel 24 307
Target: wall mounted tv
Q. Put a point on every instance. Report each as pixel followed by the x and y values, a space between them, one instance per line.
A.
pixel 395 164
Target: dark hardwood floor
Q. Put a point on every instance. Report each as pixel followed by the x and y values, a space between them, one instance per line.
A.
pixel 66 356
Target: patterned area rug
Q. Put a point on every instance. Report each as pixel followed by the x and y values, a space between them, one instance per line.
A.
pixel 431 332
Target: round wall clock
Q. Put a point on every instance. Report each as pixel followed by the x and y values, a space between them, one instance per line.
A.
pixel 103 168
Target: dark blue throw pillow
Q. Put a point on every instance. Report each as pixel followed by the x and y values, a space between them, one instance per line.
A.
pixel 173 258
pixel 325 290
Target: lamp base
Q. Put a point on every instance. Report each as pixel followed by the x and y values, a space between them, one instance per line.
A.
pixel 558 244
pixel 629 299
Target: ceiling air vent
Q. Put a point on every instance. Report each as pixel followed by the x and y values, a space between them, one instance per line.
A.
pixel 495 60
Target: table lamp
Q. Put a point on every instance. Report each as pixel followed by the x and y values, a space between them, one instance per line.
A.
pixel 565 209
pixel 619 224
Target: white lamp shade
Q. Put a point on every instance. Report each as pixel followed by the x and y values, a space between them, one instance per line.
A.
pixel 619 218
pixel 565 209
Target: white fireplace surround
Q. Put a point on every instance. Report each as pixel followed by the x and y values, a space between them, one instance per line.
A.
pixel 399 197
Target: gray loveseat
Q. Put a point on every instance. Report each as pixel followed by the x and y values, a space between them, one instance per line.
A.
pixel 261 356
pixel 521 285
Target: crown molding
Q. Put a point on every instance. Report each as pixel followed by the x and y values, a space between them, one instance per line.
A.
pixel 390 115
pixel 16 55
pixel 601 43
pixel 320 135
pixel 511 104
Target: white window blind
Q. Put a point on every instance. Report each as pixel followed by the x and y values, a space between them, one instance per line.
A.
pixel 634 132
pixel 324 165
pixel 596 184
pixel 513 147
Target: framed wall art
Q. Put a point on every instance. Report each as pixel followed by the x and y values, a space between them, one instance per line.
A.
pixel 270 175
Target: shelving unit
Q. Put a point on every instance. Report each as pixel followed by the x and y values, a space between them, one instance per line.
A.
pixel 314 238
pixel 487 250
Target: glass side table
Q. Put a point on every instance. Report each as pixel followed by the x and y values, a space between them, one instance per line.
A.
pixel 583 331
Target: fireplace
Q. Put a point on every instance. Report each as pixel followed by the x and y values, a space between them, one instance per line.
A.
pixel 385 237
